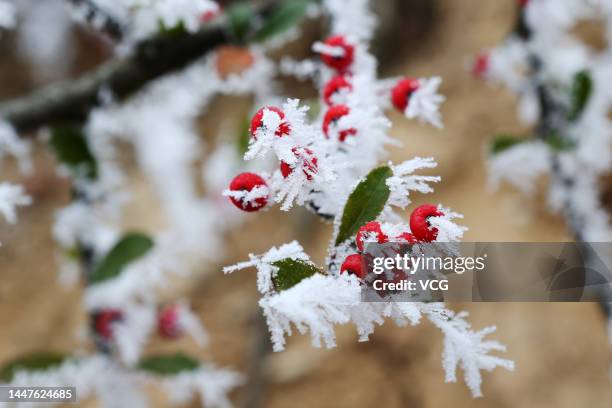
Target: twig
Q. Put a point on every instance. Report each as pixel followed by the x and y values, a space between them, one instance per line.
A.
pixel 72 100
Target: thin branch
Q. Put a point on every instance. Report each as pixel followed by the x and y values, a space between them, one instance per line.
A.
pixel 73 99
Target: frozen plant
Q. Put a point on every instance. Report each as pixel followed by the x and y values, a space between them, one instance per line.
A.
pixel 561 83
pixel 331 166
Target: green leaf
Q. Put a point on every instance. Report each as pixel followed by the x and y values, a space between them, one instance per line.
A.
pixel 70 147
pixel 582 88
pixel 365 203
pixel 559 143
pixel 240 17
pixel 291 272
pixel 169 364
pixel 504 142
pixel 176 30
pixel 38 361
pixel 129 248
pixel 287 14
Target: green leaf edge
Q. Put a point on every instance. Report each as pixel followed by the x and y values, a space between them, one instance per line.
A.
pixel 291 272
pixel 168 364
pixel 349 228
pixel 110 268
pixel 37 361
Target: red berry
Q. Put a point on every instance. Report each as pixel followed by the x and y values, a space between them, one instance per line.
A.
pixel 408 237
pixel 306 159
pixel 481 65
pixel 353 265
pixel 247 182
pixel 210 15
pixel 333 115
pixel 168 322
pixel 400 95
pixel 104 320
pixel 523 3
pixel 420 225
pixel 340 63
pixel 257 122
pixel 334 86
pixel 370 228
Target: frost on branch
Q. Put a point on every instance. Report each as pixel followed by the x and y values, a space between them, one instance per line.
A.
pixel 520 165
pixel 331 166
pixel 11 197
pixel 315 305
pixel 210 383
pixel 425 102
pixel 465 348
pixel 403 180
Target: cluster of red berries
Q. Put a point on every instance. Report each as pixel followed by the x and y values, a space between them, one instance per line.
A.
pixel 341 82
pixel 167 322
pixel 421 232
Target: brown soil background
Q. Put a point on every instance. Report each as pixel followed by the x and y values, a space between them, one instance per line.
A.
pixel 561 350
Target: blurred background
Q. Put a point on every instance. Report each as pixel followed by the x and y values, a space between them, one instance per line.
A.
pixel 561 350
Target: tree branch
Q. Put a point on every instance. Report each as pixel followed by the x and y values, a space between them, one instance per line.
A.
pixel 73 99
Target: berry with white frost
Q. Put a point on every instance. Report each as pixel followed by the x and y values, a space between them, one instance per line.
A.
pixel 419 223
pixel 353 265
pixel 342 59
pixel 257 122
pixel 306 160
pixel 246 183
pixel 332 116
pixel 370 230
pixel 401 93
pixel 104 320
pixel 168 324
pixel 334 87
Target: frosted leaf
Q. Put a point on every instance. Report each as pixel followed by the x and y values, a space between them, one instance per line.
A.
pixel 424 103
pixel 11 197
pixel 403 181
pixel 132 332
pixel 465 348
pixel 448 231
pixel 263 263
pixel 96 375
pixel 189 322
pixel 11 143
pixel 315 304
pixel 520 165
pixel 352 18
pixel 212 384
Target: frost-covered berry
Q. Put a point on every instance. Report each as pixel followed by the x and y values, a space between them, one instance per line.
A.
pixel 168 322
pixel 306 159
pixel 419 223
pixel 257 122
pixel 339 62
pixel 408 237
pixel 353 265
pixel 334 86
pixel 481 65
pixel 103 322
pixel 247 182
pixel 333 115
pixel 400 95
pixel 371 229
